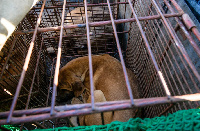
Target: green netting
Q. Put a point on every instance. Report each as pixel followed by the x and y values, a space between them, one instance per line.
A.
pixel 10 127
pixel 183 120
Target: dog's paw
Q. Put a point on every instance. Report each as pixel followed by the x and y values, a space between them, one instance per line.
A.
pixel 76 101
pixel 98 96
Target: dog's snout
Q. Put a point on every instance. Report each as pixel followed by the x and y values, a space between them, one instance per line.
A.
pixel 64 95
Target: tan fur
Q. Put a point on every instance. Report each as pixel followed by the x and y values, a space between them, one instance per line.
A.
pixel 95 119
pixel 92 119
pixel 73 119
pixel 108 77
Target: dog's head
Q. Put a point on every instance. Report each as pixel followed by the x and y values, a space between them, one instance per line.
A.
pixel 64 92
pixel 69 85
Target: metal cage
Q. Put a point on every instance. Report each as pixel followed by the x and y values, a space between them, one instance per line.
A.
pixel 153 38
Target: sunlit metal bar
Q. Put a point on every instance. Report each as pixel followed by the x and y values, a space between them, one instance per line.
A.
pixel 158 49
pixel 154 75
pixel 177 42
pixel 167 66
pixel 147 28
pixel 189 97
pixel 55 83
pixel 151 53
pixel 93 24
pixel 176 74
pixel 104 106
pixel 25 65
pixel 89 56
pixel 178 26
pixel 120 55
pixel 33 80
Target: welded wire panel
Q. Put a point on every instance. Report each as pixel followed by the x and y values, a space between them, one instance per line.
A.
pixel 178 75
pixel 12 72
pixel 150 37
pixel 74 40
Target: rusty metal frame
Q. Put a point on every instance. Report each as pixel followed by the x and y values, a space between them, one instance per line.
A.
pixel 83 109
pixel 93 24
pixel 89 57
pixel 38 114
pixel 57 63
pixel 25 66
pixel 177 41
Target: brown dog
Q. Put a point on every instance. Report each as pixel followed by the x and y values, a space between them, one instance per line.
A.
pixel 108 77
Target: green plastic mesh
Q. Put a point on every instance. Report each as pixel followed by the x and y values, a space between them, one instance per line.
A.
pixel 183 120
pixel 10 127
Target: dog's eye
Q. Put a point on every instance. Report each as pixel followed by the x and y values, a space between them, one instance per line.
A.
pixel 65 86
pixel 69 85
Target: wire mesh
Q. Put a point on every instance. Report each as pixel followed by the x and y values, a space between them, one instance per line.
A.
pixel 158 52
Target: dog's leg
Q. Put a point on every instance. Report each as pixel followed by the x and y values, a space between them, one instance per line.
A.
pixel 96 119
pixel 74 119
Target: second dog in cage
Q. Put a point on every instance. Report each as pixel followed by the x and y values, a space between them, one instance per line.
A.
pixel 108 78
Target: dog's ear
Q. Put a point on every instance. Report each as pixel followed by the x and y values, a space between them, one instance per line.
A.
pixel 83 75
pixel 78 86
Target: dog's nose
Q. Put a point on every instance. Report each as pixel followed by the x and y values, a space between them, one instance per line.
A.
pixel 58 99
pixel 64 96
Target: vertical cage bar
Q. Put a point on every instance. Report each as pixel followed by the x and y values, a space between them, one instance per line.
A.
pixel 31 88
pixel 35 71
pixel 90 56
pixel 120 54
pixel 25 67
pixel 47 101
pixel 151 53
pixel 55 83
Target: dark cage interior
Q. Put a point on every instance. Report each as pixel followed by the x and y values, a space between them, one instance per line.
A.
pixel 152 37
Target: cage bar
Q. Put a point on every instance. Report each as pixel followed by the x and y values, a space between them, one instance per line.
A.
pixel 151 38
